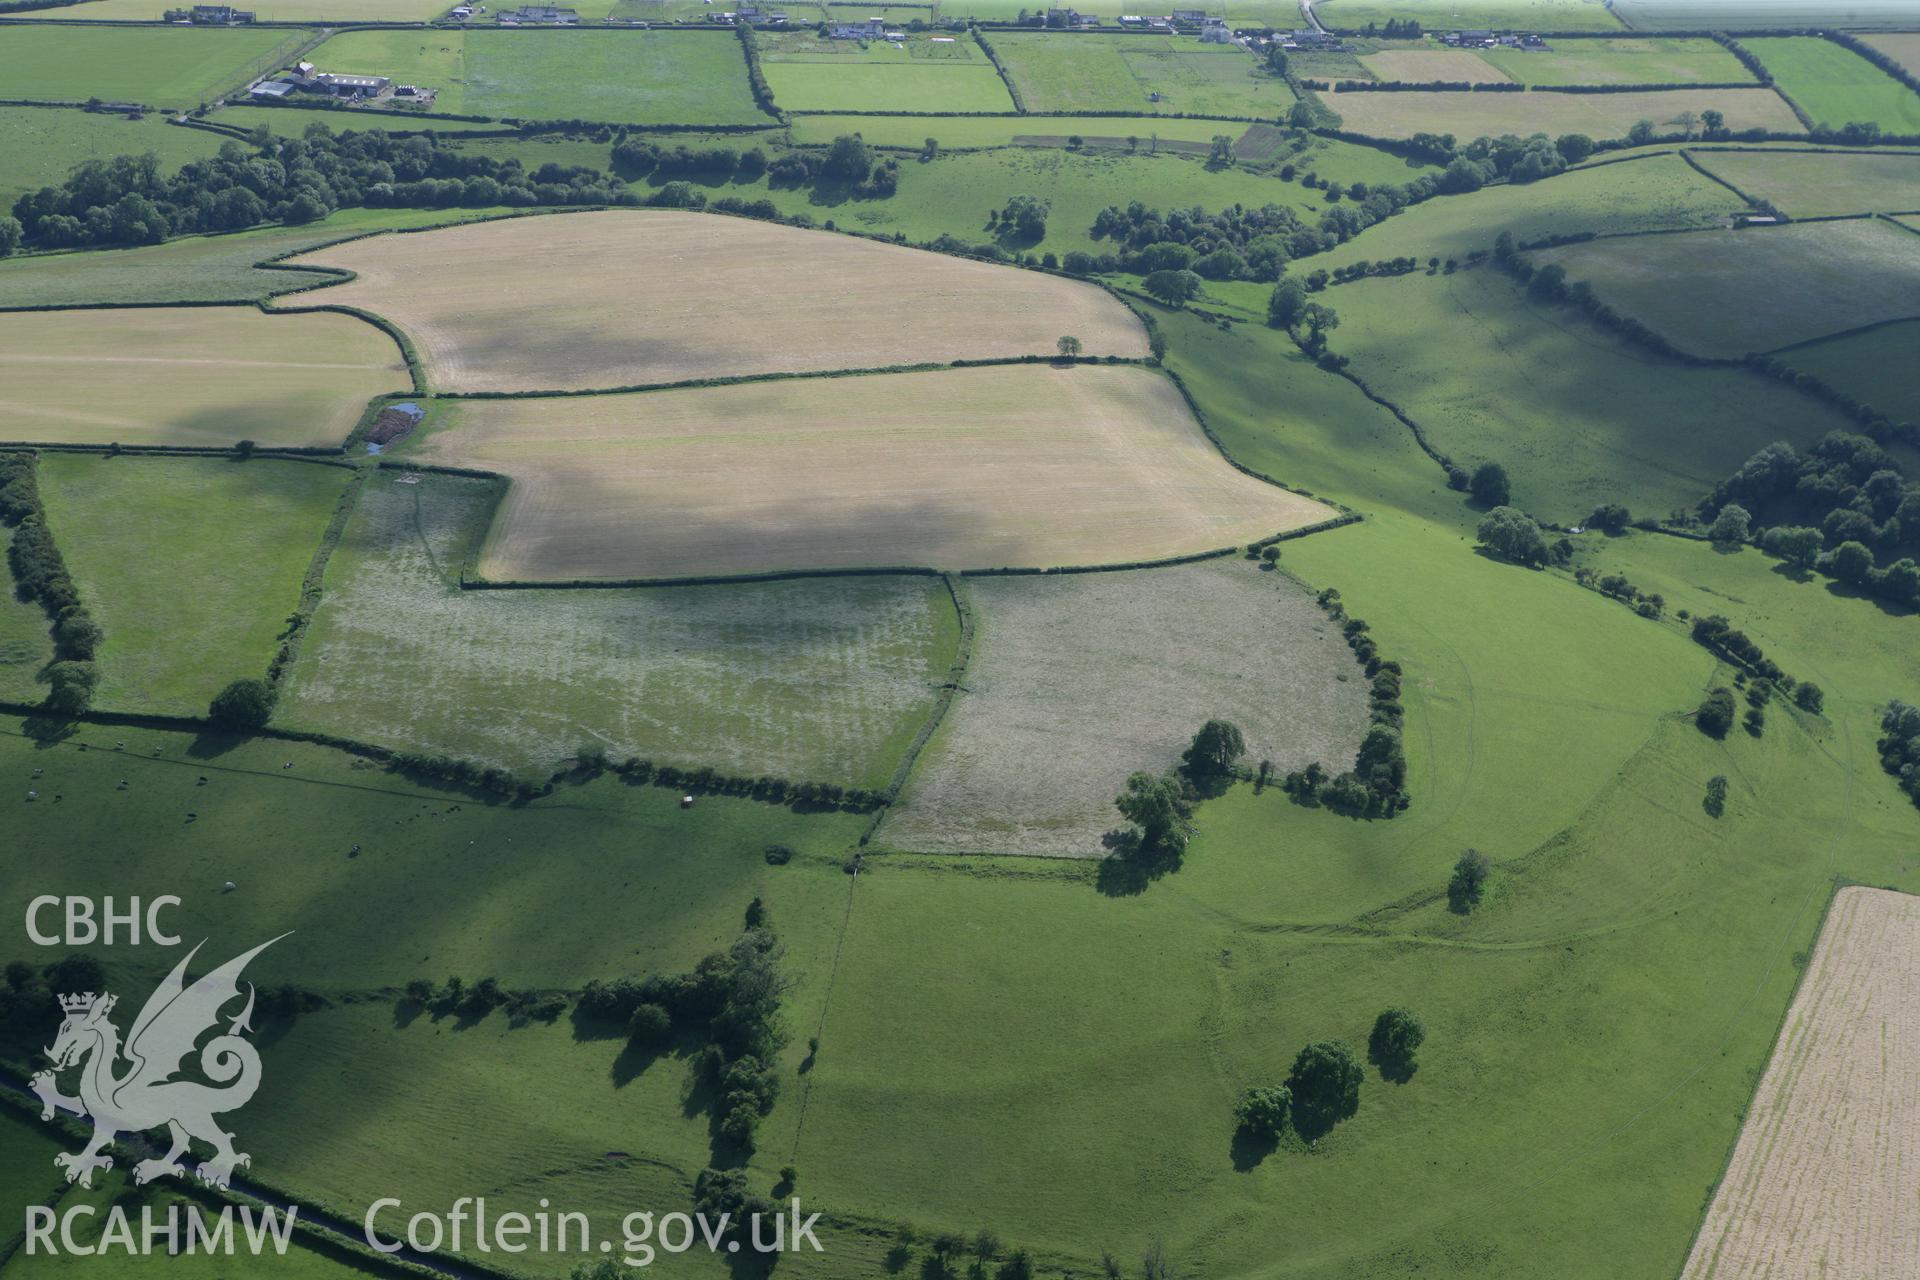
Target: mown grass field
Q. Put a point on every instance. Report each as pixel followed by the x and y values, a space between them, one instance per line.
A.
pixel 1577 418
pixel 196 268
pixel 1448 15
pixel 1420 65
pixel 1623 61
pixel 1836 86
pixel 1598 115
pixel 1654 193
pixel 1810 1184
pixel 154 66
pixel 1065 697
pixel 1875 367
pixel 208 376
pixel 639 77
pixel 165 548
pixel 1122 73
pixel 44 144
pixel 1761 15
pixel 821 680
pixel 810 74
pixel 1025 466
pixel 654 297
pixel 1818 184
pixel 1754 289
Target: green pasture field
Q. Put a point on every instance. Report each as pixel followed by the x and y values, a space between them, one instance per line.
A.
pixel 43 144
pixel 1578 418
pixel 1656 192
pixel 820 680
pixel 154 66
pixel 1469 115
pixel 1622 61
pixel 217 268
pixel 638 77
pixel 1754 289
pixel 1068 73
pixel 291 122
pixel 1875 367
pixel 1764 15
pixel 807 73
pixel 1452 15
pixel 25 644
pixel 1818 184
pixel 163 548
pixel 1836 86
pixel 960 133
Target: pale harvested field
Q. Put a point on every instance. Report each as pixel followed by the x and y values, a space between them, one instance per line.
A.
pixel 190 376
pixel 1423 66
pixel 1822 1180
pixel 821 679
pixel 1079 680
pixel 1903 48
pixel 1599 115
pixel 1023 465
pixel 624 298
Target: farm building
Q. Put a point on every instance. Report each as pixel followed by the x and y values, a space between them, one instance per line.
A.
pixel 1215 33
pixel 273 89
pixel 346 86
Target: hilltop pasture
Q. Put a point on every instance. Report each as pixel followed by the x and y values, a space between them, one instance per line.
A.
pixel 1754 289
pixel 652 297
pixel 1599 115
pixel 814 680
pixel 167 67
pixel 1820 184
pixel 205 547
pixel 207 376
pixel 1026 466
pixel 1836 86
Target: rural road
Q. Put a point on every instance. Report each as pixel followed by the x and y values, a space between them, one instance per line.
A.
pixel 1306 11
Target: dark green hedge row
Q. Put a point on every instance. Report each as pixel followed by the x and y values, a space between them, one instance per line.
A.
pixel 1427 86
pixel 1644 88
pixel 756 78
pixel 38 569
pixel 1006 78
pixel 1376 786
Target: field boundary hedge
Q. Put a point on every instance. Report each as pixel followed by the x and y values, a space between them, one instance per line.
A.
pixel 312 584
pixel 942 703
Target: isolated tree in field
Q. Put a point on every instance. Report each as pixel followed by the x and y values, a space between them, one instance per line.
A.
pixel 1069 346
pixel 1325 1085
pixel 1809 696
pixel 1732 526
pixel 1469 881
pixel 1514 536
pixel 1714 716
pixel 1490 486
pixel 1158 805
pixel 1024 218
pixel 1262 1112
pixel 1220 154
pixel 1286 304
pixel 1641 133
pixel 244 704
pixel 1396 1036
pixel 1713 124
pixel 1175 288
pixel 1716 800
pixel 1214 749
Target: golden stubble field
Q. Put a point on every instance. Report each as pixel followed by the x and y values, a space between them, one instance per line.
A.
pixel 1599 115
pixel 1010 465
pixel 1822 1181
pixel 624 298
pixel 207 376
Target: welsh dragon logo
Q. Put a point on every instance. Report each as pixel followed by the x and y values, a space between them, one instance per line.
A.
pixel 148 1094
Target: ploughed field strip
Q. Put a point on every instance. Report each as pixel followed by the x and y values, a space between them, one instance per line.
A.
pixel 632 298
pixel 1021 465
pixel 207 376
pixel 1821 1182
pixel 1755 289
pixel 1079 680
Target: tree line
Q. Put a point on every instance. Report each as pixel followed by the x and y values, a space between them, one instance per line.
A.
pixel 40 574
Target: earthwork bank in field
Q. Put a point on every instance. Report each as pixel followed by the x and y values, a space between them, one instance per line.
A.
pixel 205 376
pixel 1599 115
pixel 1023 465
pixel 629 298
pixel 816 679
pixel 1078 680
pixel 1754 289
pixel 1821 1182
